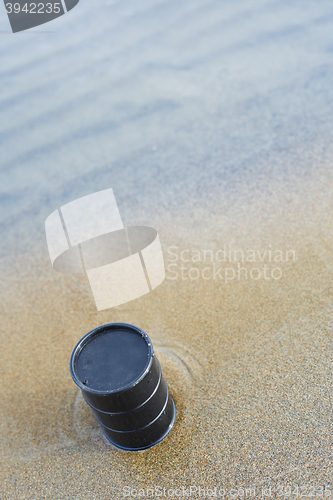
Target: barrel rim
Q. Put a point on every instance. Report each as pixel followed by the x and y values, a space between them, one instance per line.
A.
pixel 96 331
pixel 160 378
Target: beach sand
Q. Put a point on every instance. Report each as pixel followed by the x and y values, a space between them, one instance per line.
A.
pixel 248 362
pixel 212 122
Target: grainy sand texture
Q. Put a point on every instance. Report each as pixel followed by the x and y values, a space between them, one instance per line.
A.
pixel 212 122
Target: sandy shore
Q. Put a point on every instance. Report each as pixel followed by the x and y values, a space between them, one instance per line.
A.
pixel 248 361
pixel 212 122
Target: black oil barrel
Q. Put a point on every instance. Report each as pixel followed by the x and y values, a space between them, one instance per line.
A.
pixel 121 379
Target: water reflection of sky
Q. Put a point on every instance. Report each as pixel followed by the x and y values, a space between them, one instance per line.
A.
pixel 158 100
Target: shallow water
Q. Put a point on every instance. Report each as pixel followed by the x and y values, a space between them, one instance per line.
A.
pixel 212 123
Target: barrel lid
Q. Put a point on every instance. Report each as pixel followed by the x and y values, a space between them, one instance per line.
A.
pixel 111 358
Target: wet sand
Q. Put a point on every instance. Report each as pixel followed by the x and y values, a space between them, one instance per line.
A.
pixel 248 362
